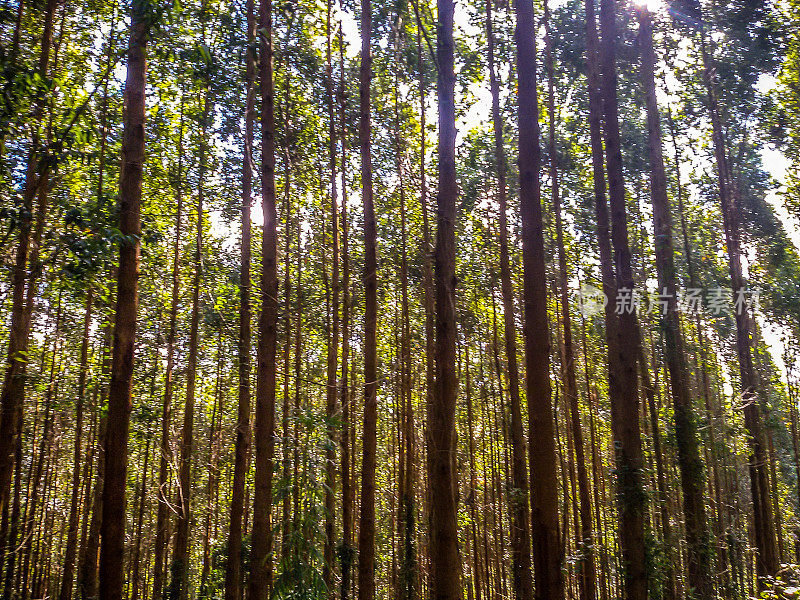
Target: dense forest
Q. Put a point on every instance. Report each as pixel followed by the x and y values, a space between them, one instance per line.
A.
pixel 341 299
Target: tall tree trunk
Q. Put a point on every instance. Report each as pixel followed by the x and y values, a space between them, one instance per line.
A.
pixel 233 576
pixel 691 466
pixel 518 505
pixel 179 568
pixel 366 530
pixel 586 565
pixel 542 451
pixel 767 563
pixel 22 280
pixel 623 376
pixel 347 551
pixel 445 560
pixel 260 557
pixel 119 401
pixel 137 534
pixel 88 567
pixel 68 572
pixel 333 334
pixel 164 467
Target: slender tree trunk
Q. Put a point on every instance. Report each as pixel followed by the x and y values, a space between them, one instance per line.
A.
pixel 260 559
pixel 767 563
pixel 518 505
pixel 623 375
pixel 179 568
pixel 366 530
pixel 134 578
pixel 119 401
pixel 691 467
pixel 88 569
pixel 233 565
pixel 68 572
pixel 406 475
pixel 542 451
pixel 23 278
pixel 162 512
pixel 333 334
pixel 445 560
pixel 586 565
pixel 347 552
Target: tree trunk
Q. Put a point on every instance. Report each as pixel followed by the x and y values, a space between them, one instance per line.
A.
pixel 347 552
pixel 691 466
pixel 623 376
pixel 22 281
pixel 445 560
pixel 119 401
pixel 179 567
pixel 518 505
pixel 65 593
pixel 233 565
pixel 767 563
pixel 162 514
pixel 366 530
pixel 586 563
pixel 333 334
pixel 542 451
pixel 260 559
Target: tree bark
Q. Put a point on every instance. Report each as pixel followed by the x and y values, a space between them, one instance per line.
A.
pixel 68 572
pixel 586 563
pixel 444 554
pixel 333 334
pixel 179 568
pixel 518 500
pixel 366 530
pixel 23 276
pixel 233 565
pixel 623 376
pixel 119 401
pixel 261 560
pixel 542 452
pixel 162 514
pixel 347 552
pixel 691 466
pixel 767 563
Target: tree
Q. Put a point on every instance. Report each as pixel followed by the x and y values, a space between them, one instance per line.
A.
pixel 260 555
pixel 112 529
pixel 445 561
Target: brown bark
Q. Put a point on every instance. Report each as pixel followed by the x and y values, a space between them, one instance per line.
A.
pixel 623 376
pixel 87 569
pixel 179 567
pixel 518 504
pixel 586 564
pixel 233 565
pixel 162 512
pixel 68 572
pixel 23 276
pixel 137 534
pixel 366 530
pixel 347 552
pixel 542 451
pixel 333 334
pixel 691 466
pixel 444 554
pixel 119 401
pixel 260 560
pixel 767 563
